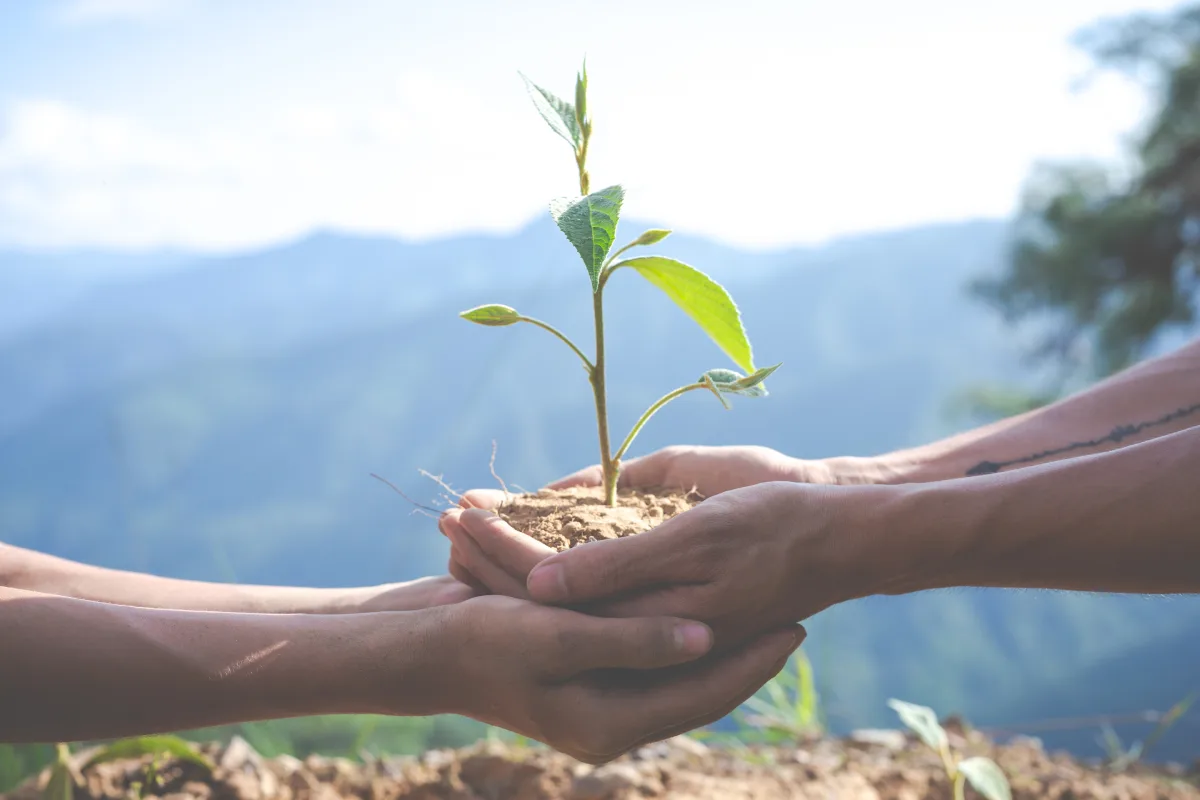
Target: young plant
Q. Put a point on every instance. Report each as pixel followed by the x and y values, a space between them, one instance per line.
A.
pixel 984 775
pixel 1121 758
pixel 61 782
pixel 789 708
pixel 589 222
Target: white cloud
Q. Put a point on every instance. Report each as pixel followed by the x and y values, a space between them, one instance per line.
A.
pixel 764 163
pixel 82 12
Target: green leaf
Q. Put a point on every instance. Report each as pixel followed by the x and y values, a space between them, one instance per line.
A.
pixel 703 299
pixel 61 783
pixel 590 223
pixel 727 380
pixel 558 113
pixel 492 315
pixel 138 746
pixel 652 236
pixel 581 96
pixel 708 381
pixel 986 777
pixel 923 721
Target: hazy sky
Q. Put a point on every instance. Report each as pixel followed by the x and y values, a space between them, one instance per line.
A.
pixel 220 124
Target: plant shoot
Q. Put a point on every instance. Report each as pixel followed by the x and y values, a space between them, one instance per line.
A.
pixel 589 222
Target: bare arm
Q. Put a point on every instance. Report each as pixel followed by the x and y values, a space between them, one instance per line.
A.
pixel 1154 398
pixel 76 669
pixel 39 572
pixel 1122 521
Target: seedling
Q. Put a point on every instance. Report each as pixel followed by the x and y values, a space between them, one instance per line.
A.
pixel 61 782
pixel 589 221
pixel 984 775
pixel 1121 758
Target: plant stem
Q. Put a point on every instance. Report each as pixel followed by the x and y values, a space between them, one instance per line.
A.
pixel 960 789
pixel 608 464
pixel 547 327
pixel 662 401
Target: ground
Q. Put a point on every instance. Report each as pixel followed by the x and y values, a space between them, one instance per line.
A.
pixel 866 766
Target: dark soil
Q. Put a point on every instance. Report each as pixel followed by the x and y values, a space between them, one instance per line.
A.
pixel 566 518
pixel 881 766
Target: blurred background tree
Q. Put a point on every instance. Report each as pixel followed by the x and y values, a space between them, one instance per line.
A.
pixel 1103 257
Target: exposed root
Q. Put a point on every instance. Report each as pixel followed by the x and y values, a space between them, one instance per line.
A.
pixel 422 509
pixel 492 467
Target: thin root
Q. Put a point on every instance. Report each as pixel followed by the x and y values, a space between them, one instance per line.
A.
pixel 426 510
pixel 499 480
pixel 438 480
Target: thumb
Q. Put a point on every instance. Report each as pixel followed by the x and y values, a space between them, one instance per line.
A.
pixel 601 570
pixel 640 471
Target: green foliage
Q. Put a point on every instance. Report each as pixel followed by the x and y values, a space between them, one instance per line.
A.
pixel 652 236
pixel 18 761
pixel 923 721
pixel 787 708
pixel 702 299
pixel 590 223
pixel 61 783
pixel 1108 257
pixel 986 777
pixel 728 381
pixel 987 403
pixel 559 114
pixel 161 745
pixel 494 315
pixel 983 774
pixel 1121 758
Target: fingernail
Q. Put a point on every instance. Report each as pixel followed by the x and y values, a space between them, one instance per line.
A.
pixel 693 638
pixel 548 583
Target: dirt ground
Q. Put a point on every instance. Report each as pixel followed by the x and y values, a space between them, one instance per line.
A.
pixel 866 766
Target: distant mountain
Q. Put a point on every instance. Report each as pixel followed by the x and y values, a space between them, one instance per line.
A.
pixel 220 419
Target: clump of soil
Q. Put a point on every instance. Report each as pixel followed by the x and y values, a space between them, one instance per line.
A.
pixel 566 518
pixel 885 765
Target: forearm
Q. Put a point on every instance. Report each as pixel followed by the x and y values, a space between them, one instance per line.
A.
pixel 75 669
pixel 1122 521
pixel 38 572
pixel 1154 398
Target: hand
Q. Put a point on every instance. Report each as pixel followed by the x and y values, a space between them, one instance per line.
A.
pixel 744 561
pixel 590 687
pixel 707 470
pixel 408 596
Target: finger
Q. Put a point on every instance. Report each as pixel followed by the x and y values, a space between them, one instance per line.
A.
pixel 708 693
pixel 640 471
pixel 484 498
pixel 711 716
pixel 479 566
pixel 583 643
pixel 588 476
pixel 463 575
pixel 514 552
pixel 607 568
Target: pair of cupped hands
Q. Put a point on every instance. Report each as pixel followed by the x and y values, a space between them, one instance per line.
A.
pixel 637 639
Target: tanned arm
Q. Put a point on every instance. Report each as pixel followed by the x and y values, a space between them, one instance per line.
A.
pixel 1155 398
pixel 1127 520
pixel 76 669
pixel 38 572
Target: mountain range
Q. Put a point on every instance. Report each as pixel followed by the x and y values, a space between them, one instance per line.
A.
pixel 219 417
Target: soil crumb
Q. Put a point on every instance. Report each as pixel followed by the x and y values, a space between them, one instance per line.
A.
pixel 566 518
pixel 887 765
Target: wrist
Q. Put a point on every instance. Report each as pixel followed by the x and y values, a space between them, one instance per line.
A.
pixel 854 471
pixel 898 539
pixel 401 664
